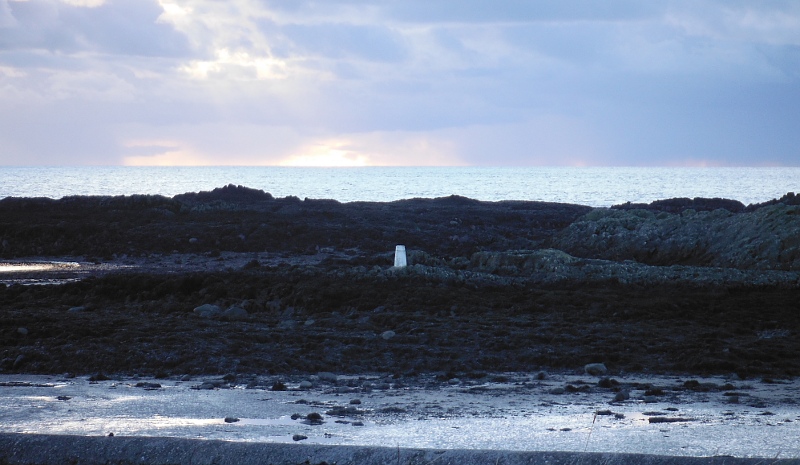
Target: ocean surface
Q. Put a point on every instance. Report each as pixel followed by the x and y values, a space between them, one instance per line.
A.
pixel 597 187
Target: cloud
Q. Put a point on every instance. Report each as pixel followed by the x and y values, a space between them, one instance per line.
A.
pixel 576 82
pixel 336 41
pixel 124 27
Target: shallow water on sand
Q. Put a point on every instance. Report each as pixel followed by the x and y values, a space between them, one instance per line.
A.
pixel 518 414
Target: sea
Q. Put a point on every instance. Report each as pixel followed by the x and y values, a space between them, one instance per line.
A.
pixel 592 186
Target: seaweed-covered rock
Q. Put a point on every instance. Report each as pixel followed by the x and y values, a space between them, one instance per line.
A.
pixel 764 239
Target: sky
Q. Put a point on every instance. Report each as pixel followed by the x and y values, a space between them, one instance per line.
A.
pixel 406 82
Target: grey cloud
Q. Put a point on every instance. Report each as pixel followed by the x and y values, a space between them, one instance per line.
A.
pixel 126 27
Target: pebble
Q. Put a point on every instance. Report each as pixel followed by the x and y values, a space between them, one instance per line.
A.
pixel 299 437
pixel 22 331
pixel 386 335
pixel 305 385
pixel 77 309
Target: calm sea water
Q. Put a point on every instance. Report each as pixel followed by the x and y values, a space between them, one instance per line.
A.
pixel 588 186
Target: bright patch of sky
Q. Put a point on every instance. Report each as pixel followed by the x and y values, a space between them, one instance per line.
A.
pixel 413 82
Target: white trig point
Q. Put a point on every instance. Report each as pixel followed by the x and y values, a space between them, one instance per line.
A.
pixel 400 256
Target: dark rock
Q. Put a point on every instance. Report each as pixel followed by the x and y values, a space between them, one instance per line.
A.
pixel 679 205
pixel 669 419
pixel 607 383
pixel 231 419
pixel 278 386
pixel 99 376
pixel 148 386
pixel 314 418
pixel 299 437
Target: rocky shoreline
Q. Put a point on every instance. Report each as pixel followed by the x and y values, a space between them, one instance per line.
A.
pixel 289 286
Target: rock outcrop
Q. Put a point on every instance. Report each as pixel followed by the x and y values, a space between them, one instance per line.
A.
pixel 767 238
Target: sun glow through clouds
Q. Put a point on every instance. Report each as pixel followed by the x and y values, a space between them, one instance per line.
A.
pixel 327 156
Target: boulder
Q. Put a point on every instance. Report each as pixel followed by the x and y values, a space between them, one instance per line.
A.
pixel 207 311
pixel 235 313
pixel 595 369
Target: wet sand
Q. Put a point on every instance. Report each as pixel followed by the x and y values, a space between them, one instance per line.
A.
pixel 513 412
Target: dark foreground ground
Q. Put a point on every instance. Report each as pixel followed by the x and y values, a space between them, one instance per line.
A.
pixel 490 287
